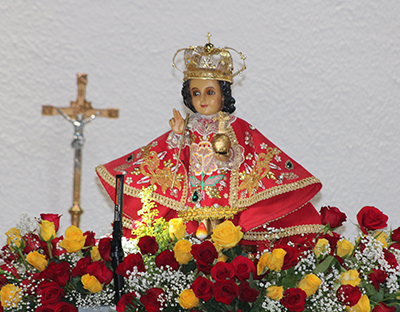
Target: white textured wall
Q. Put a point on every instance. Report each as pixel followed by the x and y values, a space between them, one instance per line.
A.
pixel 323 83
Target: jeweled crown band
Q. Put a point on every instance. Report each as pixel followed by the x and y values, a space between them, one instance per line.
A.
pixel 208 62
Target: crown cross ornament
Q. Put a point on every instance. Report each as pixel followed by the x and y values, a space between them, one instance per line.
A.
pixel 209 62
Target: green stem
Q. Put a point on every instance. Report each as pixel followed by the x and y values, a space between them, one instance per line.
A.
pixel 23 259
pixel 49 248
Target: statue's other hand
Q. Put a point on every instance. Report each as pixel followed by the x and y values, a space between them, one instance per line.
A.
pixel 177 122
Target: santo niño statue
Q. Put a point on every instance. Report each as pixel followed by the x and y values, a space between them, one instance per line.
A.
pixel 215 166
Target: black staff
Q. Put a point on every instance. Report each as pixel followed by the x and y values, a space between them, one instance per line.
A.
pixel 117 254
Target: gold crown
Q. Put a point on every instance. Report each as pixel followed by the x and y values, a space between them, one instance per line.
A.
pixel 209 62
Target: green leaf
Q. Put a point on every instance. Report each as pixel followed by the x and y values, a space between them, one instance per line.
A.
pixel 325 265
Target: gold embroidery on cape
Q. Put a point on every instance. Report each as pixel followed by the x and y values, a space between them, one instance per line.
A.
pixel 277 190
pixel 283 232
pixel 234 173
pixel 161 176
pixel 134 192
pixel 261 170
pixel 198 214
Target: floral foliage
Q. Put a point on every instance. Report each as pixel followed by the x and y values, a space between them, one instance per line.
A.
pixel 166 269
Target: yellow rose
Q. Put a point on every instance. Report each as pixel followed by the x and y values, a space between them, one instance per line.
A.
pixel 91 283
pixel 275 292
pixel 74 239
pixel 262 263
pixel 227 235
pixel 37 260
pixel 363 305
pixel 344 248
pixel 321 247
pixel 310 284
pixel 95 254
pixel 381 237
pixel 222 258
pixel 14 239
pixel 177 228
pixel 350 277
pixel 188 300
pixel 47 230
pixel 10 296
pixel 275 262
pixel 182 251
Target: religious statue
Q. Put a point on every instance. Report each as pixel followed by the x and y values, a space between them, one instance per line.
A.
pixel 214 166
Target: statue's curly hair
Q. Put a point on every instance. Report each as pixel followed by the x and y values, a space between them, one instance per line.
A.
pixel 229 101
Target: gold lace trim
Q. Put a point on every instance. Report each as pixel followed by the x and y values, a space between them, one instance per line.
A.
pixel 127 222
pixel 284 232
pixel 198 214
pixel 134 192
pixel 277 190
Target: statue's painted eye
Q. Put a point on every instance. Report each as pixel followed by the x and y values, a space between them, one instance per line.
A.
pixel 196 93
pixel 210 92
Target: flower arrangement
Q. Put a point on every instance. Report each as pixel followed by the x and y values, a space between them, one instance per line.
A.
pixel 166 269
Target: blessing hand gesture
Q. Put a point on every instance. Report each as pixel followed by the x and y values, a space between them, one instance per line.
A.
pixel 177 122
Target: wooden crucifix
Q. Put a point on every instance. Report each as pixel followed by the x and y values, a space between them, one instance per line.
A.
pixel 79 113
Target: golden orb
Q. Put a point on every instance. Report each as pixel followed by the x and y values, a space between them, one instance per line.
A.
pixel 221 143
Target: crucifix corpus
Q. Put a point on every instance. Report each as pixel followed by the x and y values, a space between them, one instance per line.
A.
pixel 79 113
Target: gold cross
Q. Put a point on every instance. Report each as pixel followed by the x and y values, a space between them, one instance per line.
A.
pixel 79 113
pixel 208 36
pixel 80 106
pixel 222 119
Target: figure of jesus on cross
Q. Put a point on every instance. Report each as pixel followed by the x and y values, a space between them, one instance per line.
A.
pixel 79 113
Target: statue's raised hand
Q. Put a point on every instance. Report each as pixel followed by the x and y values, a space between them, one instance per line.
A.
pixel 177 122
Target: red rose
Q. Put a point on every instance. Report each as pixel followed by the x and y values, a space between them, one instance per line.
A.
pixel 377 276
pixel 223 271
pixel 10 269
pixel 395 245
pixel 52 217
pixel 58 272
pixel 243 267
pixel 348 295
pixel 381 307
pixel 3 280
pixel 126 299
pixel 105 248
pixel 396 235
pixel 50 292
pixel 90 240
pixel 45 308
pixel 131 261
pixel 294 299
pixel 370 218
pixel 167 258
pixel 246 293
pixel 390 258
pixel 204 252
pixel 226 291
pixel 101 272
pixel 332 216
pixel 81 267
pixel 150 299
pixel 290 259
pixel 203 288
pixel 32 242
pixel 148 245
pixel 64 307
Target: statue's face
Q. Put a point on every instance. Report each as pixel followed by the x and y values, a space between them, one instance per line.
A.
pixel 207 97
